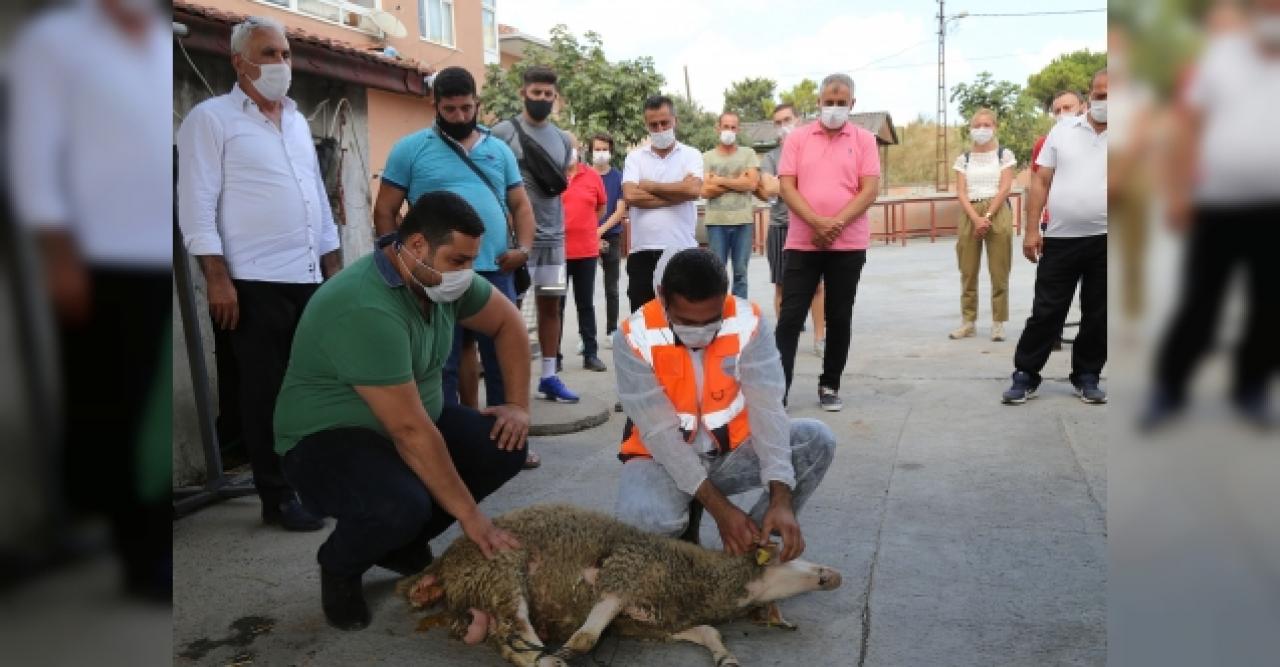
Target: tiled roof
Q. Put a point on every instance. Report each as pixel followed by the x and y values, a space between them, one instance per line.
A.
pixel 296 34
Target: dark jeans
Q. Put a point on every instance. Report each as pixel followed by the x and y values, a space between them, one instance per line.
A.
pixel 1223 240
pixel 494 390
pixel 110 368
pixel 1063 263
pixel 611 261
pixel 261 341
pixel 356 476
pixel 582 276
pixel 640 267
pixel 840 270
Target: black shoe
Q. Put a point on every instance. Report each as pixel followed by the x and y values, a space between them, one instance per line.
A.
pixel 594 364
pixel 343 601
pixel 1088 390
pixel 1161 410
pixel 291 515
pixel 617 407
pixel 1252 408
pixel 1024 387
pixel 412 558
pixel 559 364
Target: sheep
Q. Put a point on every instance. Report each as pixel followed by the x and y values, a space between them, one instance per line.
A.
pixel 579 571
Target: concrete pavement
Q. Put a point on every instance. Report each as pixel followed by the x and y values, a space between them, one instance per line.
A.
pixel 968 533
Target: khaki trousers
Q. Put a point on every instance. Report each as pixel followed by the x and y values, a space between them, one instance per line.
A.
pixel 999 244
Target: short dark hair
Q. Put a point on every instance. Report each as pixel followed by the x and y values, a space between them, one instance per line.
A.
pixel 605 137
pixel 1094 79
pixel 783 107
pixel 1060 93
pixel 452 82
pixel 655 102
pixel 539 74
pixel 696 274
pixel 437 215
pixel 720 118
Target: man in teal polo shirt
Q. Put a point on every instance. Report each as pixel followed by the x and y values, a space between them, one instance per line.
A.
pixel 428 160
pixel 360 422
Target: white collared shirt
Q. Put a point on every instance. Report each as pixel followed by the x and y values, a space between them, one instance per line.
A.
pixel 91 135
pixel 1078 195
pixel 253 193
pixel 670 226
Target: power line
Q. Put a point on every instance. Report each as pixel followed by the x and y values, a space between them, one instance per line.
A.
pixel 1013 14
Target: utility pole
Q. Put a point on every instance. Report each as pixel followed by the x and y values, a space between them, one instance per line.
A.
pixel 687 95
pixel 941 178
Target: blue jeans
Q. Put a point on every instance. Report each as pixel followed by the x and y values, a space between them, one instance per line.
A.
pixel 732 244
pixel 494 391
pixel 650 500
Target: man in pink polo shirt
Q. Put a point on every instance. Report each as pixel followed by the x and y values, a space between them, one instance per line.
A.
pixel 829 173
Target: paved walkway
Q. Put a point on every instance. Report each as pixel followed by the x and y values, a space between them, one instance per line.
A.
pixel 969 533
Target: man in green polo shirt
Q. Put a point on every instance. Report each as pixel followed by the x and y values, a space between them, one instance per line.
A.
pixel 360 421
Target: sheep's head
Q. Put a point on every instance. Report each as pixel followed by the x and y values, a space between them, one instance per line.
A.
pixel 779 580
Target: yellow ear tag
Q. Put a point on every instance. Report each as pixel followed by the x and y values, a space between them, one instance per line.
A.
pixel 763 556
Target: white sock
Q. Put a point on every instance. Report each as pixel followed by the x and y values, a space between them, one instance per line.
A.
pixel 548 367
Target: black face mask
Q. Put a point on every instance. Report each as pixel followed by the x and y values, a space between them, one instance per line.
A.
pixel 538 109
pixel 456 131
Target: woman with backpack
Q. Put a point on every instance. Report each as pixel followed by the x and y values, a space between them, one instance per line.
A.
pixel 984 177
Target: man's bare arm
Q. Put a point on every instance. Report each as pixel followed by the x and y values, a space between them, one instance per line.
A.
pixel 386 209
pixel 500 320
pixel 745 182
pixel 638 197
pixel 687 189
pixel 521 215
pixel 330 263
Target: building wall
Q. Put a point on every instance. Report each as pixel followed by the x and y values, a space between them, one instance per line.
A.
pixel 318 99
pixel 391 117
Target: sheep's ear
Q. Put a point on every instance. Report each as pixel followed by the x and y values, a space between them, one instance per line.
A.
pixel 767 554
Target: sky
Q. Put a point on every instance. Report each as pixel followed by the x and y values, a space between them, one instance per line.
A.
pixel 889 48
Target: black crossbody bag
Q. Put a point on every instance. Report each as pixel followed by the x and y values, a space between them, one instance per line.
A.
pixel 521 275
pixel 543 171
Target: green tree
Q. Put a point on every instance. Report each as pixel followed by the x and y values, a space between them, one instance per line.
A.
pixel 1070 71
pixel 696 126
pixel 596 95
pixel 750 98
pixel 1020 118
pixel 803 96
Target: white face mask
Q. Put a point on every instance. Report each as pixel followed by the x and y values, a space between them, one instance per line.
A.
pixel 697 337
pixel 785 129
pixel 834 118
pixel 1065 116
pixel 1267 27
pixel 453 284
pixel 664 139
pixel 273 80
pixel 573 156
pixel 728 137
pixel 1098 111
pixel 600 157
pixel 982 135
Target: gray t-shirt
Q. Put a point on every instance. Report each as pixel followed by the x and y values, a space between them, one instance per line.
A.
pixel 778 212
pixel 547 212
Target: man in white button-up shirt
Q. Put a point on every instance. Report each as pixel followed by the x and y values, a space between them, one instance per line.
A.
pixel 253 210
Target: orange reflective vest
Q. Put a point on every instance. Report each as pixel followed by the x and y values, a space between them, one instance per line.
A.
pixel 721 409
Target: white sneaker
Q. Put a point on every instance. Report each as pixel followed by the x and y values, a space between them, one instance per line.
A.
pixel 966 330
pixel 997 331
pixel 820 348
pixel 608 342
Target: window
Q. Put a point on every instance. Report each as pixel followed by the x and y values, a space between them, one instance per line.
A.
pixel 332 11
pixel 436 21
pixel 489 24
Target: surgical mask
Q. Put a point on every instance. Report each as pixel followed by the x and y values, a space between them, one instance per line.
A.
pixel 538 109
pixel 834 118
pixel 982 135
pixel 600 157
pixel 1098 111
pixel 664 139
pixel 453 284
pixel 457 131
pixel 697 337
pixel 1267 28
pixel 728 137
pixel 785 129
pixel 273 80
pixel 1065 116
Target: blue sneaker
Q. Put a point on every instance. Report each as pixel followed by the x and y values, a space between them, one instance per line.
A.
pixel 552 389
pixel 1088 390
pixel 1024 387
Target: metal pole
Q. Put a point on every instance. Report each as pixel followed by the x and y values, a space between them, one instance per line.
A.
pixel 688 96
pixel 941 180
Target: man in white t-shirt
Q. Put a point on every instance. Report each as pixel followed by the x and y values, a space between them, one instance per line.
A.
pixel 1073 250
pixel 660 182
pixel 1227 199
